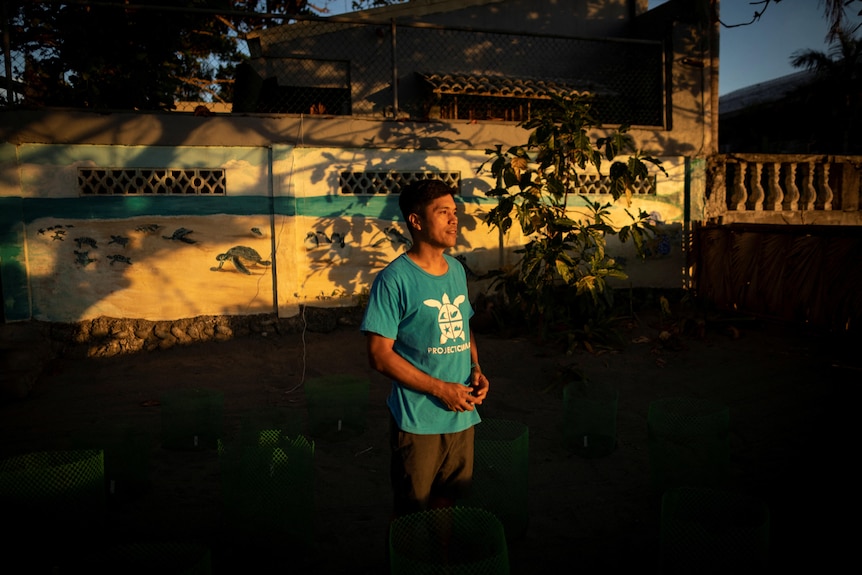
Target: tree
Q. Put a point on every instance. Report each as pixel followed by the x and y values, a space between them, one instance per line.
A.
pixel 834 10
pixel 366 4
pixel 561 280
pixel 113 54
pixel 838 85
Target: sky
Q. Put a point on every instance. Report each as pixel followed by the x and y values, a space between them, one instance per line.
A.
pixel 762 51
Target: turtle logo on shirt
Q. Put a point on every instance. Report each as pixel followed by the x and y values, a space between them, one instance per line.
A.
pixel 449 317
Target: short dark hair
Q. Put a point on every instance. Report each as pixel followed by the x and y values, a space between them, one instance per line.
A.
pixel 417 195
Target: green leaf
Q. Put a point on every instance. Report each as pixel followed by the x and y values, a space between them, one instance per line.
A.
pixel 510 179
pixel 637 168
pixel 565 271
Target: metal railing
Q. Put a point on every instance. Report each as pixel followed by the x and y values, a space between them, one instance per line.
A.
pixel 784 188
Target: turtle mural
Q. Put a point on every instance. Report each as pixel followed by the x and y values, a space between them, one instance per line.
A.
pixel 181 234
pixel 122 241
pixel 85 241
pixel 241 257
pixel 117 258
pixel 83 259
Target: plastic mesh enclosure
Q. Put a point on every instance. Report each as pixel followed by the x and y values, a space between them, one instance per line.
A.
pixel 688 443
pixel 710 531
pixel 501 473
pixel 590 418
pixel 336 406
pixel 456 541
pixel 50 500
pixel 191 419
pixel 54 478
pixel 268 489
pixel 145 558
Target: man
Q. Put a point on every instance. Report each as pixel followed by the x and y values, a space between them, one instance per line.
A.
pixel 418 335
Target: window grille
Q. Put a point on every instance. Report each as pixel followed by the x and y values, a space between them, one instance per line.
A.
pixel 390 182
pixel 151 181
pixel 591 184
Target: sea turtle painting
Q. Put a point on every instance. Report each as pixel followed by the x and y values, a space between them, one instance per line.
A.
pixel 121 240
pixel 180 235
pixel 58 227
pixel 119 258
pixel 85 241
pixel 83 258
pixel 241 257
pixel 148 229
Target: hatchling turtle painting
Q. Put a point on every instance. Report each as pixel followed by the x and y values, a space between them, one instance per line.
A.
pixel 120 258
pixel 241 257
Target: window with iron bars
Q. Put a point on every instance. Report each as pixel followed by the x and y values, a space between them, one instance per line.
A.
pixel 495 108
pixel 151 181
pixel 390 182
pixel 490 108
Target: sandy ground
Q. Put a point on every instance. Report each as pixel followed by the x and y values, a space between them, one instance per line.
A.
pixel 791 395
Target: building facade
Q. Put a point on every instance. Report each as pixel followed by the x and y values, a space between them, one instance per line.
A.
pixel 165 216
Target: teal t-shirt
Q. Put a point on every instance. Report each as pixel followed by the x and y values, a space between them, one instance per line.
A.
pixel 428 317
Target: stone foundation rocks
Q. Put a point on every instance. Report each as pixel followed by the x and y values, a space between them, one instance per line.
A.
pixel 27 347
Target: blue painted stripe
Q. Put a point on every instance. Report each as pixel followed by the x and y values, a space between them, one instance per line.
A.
pixel 133 207
pixel 382 207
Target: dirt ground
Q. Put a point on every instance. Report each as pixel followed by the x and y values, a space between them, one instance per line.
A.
pixel 792 395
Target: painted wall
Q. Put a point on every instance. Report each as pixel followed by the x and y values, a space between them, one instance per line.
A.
pixel 127 256
pixel 66 258
pixel 283 235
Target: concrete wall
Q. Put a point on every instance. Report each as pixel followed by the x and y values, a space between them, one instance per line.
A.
pixel 282 185
pixel 69 258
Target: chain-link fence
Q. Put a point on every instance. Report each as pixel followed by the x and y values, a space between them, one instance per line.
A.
pixel 346 66
pixel 425 71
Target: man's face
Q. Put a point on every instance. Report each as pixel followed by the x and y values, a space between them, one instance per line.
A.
pixel 438 226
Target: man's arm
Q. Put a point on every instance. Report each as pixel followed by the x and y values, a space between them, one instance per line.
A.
pixel 384 358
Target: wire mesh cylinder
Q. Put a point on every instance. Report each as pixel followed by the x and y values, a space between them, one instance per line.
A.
pixel 144 558
pixel 711 531
pixel 268 490
pixel 454 540
pixel 590 418
pixel 127 459
pixel 336 406
pixel 258 424
pixel 501 473
pixel 50 500
pixel 53 478
pixel 191 419
pixel 688 443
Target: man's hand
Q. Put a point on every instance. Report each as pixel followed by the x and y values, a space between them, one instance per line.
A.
pixel 457 397
pixel 478 385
